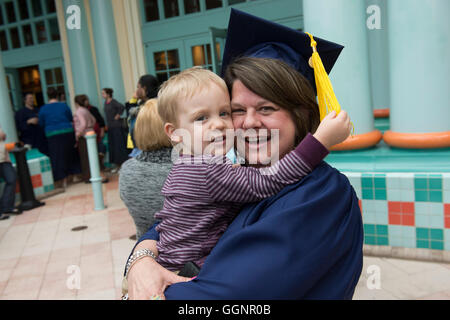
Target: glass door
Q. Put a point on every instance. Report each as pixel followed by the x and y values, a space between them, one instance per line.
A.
pixel 53 76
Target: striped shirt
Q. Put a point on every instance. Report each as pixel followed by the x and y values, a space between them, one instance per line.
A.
pixel 202 197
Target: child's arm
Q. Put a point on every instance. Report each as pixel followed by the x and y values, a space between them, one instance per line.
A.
pixel 245 184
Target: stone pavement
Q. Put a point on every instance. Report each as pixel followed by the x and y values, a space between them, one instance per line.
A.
pixel 42 258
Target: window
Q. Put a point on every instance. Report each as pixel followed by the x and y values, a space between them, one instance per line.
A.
pixel 41 32
pixel 167 64
pixel 51 6
pixel 191 6
pixel 202 55
pixel 54 29
pixel 19 26
pixel 171 8
pixel 10 12
pixel 23 10
pixel 37 8
pixel 54 79
pixel 151 10
pixel 27 35
pixel 212 4
pixel 15 39
pixel 1 16
pixel 3 41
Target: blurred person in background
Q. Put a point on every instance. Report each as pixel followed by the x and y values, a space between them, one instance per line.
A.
pixel 83 122
pixel 147 88
pixel 141 178
pixel 27 123
pixel 99 129
pixel 56 119
pixel 8 174
pixel 116 134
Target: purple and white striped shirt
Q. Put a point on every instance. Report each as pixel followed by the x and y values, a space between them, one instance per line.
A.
pixel 202 198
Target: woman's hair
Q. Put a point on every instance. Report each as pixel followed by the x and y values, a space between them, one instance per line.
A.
pixel 149 128
pixel 80 99
pixel 52 93
pixel 109 91
pixel 277 82
pixel 151 85
pixel 184 85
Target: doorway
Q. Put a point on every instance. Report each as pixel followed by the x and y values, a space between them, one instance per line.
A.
pixel 30 81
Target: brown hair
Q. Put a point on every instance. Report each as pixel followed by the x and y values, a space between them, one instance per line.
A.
pixel 52 93
pixel 80 99
pixel 149 128
pixel 277 82
pixel 109 91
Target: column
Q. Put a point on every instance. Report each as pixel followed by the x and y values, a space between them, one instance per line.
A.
pixel 7 121
pixel 106 48
pixel 377 35
pixel 419 47
pixel 344 22
pixel 80 51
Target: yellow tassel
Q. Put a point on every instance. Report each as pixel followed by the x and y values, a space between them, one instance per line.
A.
pixel 325 94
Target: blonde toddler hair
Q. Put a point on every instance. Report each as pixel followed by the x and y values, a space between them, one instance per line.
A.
pixel 149 128
pixel 184 85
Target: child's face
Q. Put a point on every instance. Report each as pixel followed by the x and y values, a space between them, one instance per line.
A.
pixel 205 119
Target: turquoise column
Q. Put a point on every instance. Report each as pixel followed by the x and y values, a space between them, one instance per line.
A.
pixel 419 48
pixel 377 35
pixel 7 121
pixel 106 47
pixel 83 72
pixel 344 22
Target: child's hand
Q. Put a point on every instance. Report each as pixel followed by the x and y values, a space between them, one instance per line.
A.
pixel 236 165
pixel 333 129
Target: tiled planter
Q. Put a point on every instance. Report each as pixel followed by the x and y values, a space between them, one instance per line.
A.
pixel 405 210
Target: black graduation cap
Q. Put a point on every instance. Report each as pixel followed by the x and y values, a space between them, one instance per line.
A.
pixel 251 36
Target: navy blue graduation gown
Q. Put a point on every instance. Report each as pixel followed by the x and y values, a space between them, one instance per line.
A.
pixel 303 243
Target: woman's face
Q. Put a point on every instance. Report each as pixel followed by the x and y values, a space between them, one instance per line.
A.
pixel 140 92
pixel 250 111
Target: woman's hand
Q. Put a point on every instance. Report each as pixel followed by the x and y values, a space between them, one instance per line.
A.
pixel 147 279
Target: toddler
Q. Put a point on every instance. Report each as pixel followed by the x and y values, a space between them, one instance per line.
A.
pixel 204 191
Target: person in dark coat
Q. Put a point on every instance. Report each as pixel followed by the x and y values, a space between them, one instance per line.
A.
pixel 27 123
pixel 116 134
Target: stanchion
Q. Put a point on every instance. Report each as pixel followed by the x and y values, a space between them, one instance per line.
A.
pixel 27 198
pixel 94 166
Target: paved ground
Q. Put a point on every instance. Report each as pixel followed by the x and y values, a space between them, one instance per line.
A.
pixel 42 258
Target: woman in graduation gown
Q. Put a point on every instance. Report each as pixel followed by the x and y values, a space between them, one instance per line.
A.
pixel 306 241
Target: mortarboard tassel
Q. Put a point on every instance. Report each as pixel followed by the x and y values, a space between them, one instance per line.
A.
pixel 325 94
